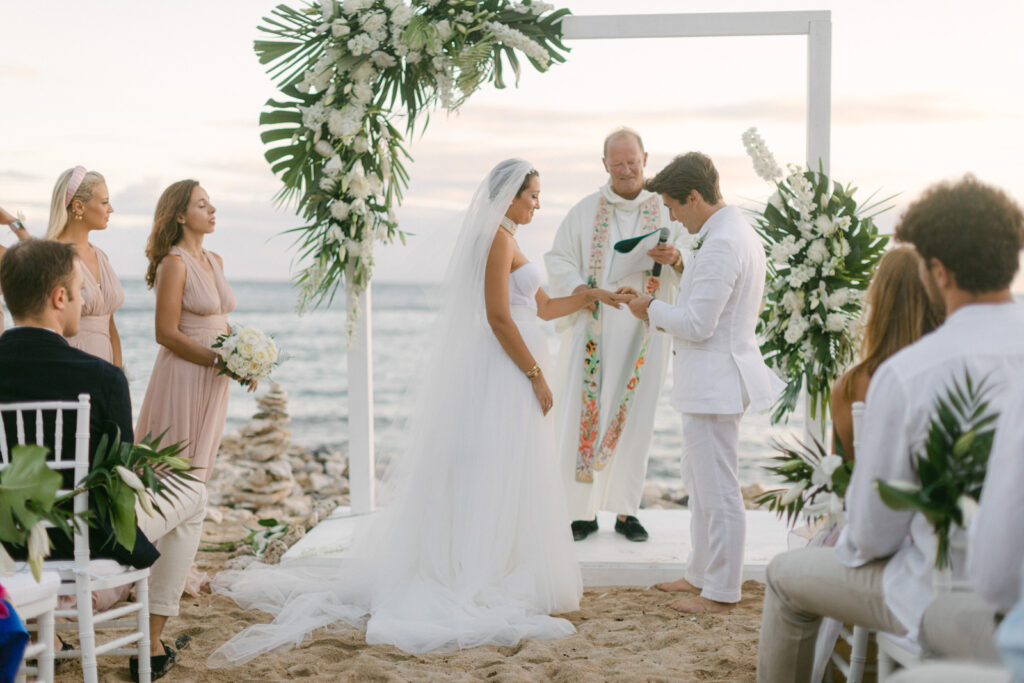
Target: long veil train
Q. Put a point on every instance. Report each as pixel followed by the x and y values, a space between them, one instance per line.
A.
pixel 475 546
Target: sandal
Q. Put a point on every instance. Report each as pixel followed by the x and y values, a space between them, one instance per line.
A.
pixel 158 664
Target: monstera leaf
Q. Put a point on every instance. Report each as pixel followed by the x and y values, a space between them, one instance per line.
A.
pixel 28 489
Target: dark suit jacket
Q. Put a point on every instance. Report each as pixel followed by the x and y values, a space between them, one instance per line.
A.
pixel 37 364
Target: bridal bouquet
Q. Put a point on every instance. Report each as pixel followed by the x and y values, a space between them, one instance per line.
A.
pixel 247 354
pixel 822 249
pixel 951 466
pixel 816 481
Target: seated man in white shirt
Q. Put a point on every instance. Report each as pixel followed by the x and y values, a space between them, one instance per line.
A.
pixel 879 575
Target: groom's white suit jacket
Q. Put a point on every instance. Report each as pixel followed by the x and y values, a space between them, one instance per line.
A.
pixel 717 365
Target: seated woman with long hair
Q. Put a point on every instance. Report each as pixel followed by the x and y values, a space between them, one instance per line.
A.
pixel 899 312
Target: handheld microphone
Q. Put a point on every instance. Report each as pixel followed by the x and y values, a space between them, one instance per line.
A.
pixel 662 239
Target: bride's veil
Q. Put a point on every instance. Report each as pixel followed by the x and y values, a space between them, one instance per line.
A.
pixel 407 540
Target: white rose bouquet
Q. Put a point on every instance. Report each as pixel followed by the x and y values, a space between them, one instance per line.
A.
pixel 247 354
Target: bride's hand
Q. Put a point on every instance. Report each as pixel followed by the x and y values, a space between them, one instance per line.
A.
pixel 542 392
pixel 613 299
pixel 628 292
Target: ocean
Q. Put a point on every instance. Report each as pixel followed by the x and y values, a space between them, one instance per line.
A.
pixel 315 373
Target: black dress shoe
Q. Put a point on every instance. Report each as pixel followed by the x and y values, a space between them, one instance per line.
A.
pixel 582 528
pixel 158 664
pixel 631 528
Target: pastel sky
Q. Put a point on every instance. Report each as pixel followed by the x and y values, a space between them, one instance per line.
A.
pixel 148 93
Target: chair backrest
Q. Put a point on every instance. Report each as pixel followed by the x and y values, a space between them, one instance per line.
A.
pixel 857 412
pixel 39 413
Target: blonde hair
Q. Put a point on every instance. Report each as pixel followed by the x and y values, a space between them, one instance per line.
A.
pixel 59 216
pixel 898 313
pixel 166 228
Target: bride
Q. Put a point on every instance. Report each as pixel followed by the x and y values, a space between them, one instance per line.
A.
pixel 475 546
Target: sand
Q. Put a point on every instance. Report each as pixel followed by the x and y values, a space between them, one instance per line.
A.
pixel 623 634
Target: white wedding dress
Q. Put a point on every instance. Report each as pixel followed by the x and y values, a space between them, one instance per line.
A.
pixel 475 548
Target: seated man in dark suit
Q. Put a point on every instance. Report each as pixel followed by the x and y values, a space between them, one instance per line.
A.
pixel 42 284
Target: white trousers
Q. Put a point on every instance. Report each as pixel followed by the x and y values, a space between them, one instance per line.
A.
pixel 718 523
pixel 176 535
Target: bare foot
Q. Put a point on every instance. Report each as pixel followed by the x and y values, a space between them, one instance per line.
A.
pixel 680 586
pixel 701 605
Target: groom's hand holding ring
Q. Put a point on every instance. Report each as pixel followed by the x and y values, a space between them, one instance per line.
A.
pixel 638 306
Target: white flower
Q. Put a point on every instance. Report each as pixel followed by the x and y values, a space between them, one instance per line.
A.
pixel 353 6
pixel 392 4
pixel 362 92
pixel 414 57
pixel 520 41
pixel 793 301
pixel 818 251
pixel 314 116
pixel 401 16
pixel 782 251
pixel 333 167
pixel 836 322
pixel 796 328
pixel 776 200
pixel 339 210
pixel 825 225
pixel 362 44
pixel 376 186
pixel 371 21
pixel 793 493
pixel 843 223
pixel 806 228
pixel 800 275
pixel 365 72
pixel 340 28
pixel 129 478
pixel 383 59
pixel 968 507
pixel 821 473
pixel 38 548
pixel 358 186
pixel 334 234
pixel 326 9
pixel 324 148
pixel 444 29
pixel 764 163
pixel 838 298
pixel 361 144
pixel 464 17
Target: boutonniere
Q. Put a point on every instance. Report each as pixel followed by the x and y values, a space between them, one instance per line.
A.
pixel 699 243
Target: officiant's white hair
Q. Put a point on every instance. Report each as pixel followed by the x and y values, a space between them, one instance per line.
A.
pixel 622 131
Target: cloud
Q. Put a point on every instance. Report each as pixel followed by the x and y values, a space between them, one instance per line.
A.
pixel 13 175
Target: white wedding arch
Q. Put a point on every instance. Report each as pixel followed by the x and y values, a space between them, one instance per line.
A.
pixel 815 25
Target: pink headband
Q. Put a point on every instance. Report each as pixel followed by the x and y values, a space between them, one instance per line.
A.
pixel 77 176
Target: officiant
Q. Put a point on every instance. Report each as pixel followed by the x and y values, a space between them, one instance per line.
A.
pixel 609 373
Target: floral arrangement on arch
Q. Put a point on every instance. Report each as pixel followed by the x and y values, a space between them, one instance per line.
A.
pixel 348 70
pixel 822 251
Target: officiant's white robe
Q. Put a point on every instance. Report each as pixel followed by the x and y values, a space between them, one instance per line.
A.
pixel 619 486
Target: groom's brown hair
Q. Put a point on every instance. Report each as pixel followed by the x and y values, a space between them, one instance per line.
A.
pixel 686 173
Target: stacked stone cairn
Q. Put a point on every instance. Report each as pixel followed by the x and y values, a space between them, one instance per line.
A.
pixel 261 474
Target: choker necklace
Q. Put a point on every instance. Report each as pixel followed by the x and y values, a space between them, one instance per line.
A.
pixel 509 225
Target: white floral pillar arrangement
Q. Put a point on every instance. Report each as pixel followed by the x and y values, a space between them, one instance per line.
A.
pixel 348 71
pixel 822 251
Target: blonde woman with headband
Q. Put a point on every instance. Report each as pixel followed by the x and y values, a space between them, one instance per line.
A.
pixel 80 205
pixel 6 218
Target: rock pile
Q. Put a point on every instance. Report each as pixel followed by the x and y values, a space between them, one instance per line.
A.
pixel 259 468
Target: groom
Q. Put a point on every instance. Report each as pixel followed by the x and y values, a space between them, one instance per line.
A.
pixel 718 370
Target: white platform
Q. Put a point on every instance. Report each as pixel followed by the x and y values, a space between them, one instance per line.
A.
pixel 606 558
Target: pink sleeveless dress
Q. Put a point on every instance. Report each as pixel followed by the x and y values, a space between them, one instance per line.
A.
pixel 191 401
pixel 99 302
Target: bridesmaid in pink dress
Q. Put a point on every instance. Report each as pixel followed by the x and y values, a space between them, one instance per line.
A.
pixel 81 204
pixel 186 396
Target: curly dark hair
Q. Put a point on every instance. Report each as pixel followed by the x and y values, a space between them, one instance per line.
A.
pixel 688 172
pixel 975 230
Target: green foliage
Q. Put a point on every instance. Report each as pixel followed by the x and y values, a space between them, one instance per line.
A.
pixel 333 127
pixel 804 291
pixel 808 471
pixel 28 492
pixel 951 464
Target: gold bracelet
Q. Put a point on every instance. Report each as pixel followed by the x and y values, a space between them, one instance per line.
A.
pixel 533 372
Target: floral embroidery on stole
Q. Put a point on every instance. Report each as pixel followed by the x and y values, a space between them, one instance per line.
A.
pixel 589 458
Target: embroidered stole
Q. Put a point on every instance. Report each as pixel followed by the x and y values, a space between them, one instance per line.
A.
pixel 594 453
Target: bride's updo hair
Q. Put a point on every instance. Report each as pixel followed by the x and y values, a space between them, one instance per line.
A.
pixel 167 229
pixel 499 177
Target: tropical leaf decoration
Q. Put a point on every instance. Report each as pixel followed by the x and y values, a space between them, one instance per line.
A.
pixel 354 78
pixel 951 465
pixel 816 482
pixel 823 248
